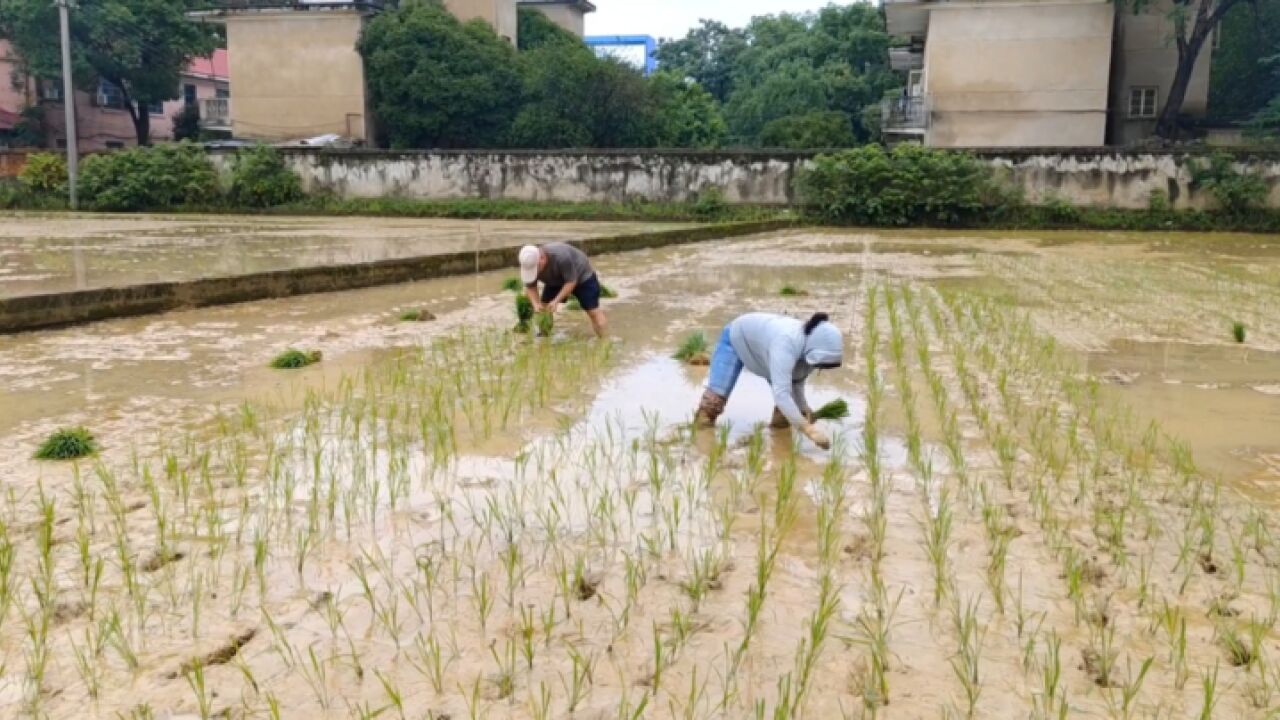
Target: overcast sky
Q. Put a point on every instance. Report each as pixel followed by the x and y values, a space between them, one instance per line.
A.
pixel 674 18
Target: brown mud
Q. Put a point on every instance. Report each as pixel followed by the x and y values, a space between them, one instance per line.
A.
pixel 443 520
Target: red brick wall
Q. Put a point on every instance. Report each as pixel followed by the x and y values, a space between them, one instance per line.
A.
pixel 12 162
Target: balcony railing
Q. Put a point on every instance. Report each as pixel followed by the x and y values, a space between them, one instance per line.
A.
pixel 215 112
pixel 905 114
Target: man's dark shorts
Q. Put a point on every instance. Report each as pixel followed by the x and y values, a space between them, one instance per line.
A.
pixel 588 293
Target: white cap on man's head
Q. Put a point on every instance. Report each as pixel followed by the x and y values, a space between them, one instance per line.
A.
pixel 529 256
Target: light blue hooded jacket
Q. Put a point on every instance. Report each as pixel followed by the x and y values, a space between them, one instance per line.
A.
pixel 776 348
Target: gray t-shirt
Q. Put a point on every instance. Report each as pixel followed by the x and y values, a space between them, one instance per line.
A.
pixel 565 264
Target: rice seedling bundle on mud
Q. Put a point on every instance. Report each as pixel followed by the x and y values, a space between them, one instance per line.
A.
pixel 524 314
pixel 296 359
pixel 693 350
pixel 68 444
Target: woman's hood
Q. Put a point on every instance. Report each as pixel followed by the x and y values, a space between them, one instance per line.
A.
pixel 824 346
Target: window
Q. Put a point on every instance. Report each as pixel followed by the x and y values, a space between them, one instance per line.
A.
pixel 156 108
pixel 51 90
pixel 223 93
pixel 1142 102
pixel 115 145
pixel 188 95
pixel 109 96
pixel 915 83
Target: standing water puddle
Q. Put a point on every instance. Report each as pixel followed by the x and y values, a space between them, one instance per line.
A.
pixel 1223 401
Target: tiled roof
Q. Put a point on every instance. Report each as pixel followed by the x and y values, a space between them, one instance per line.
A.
pixel 214 66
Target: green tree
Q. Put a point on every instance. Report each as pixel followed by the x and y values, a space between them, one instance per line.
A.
pixel 690 116
pixel 783 68
pixel 436 82
pixel 536 30
pixel 822 129
pixel 139 47
pixel 574 99
pixel 1243 81
pixel 708 55
pixel 1192 24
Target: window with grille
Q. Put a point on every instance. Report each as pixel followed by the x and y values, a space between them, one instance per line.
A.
pixel 109 96
pixel 1142 102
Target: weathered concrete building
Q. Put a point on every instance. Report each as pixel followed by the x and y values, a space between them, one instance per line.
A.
pixel 295 69
pixel 297 73
pixel 1031 73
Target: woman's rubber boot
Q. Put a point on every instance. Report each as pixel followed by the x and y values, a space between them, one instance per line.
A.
pixel 779 421
pixel 709 410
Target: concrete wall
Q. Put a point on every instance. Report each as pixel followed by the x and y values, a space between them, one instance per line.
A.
pixel 1146 56
pixel 1122 179
pixel 1019 74
pixel 297 74
pixel 501 14
pixel 1103 178
pixel 539 176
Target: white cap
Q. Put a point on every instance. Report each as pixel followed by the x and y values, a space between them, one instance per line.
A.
pixel 529 256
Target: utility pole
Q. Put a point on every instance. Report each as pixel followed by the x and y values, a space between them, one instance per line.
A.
pixel 69 102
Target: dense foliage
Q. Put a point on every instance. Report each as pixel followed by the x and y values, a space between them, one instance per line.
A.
pixel 908 185
pixel 261 179
pixel 437 82
pixel 44 173
pixel 160 177
pixel 1245 78
pixel 137 46
pixel 1235 191
pixel 783 79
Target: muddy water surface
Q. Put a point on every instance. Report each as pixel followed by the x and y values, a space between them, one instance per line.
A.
pixel 1149 318
pixel 44 254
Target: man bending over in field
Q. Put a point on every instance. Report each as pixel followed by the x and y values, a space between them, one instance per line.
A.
pixel 563 270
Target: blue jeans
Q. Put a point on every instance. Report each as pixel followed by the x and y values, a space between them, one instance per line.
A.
pixel 726 368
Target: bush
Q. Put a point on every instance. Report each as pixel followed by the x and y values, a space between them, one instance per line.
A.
pixel 824 129
pixel 45 173
pixel 1235 192
pixel 908 185
pixel 186 123
pixel 261 179
pixel 161 177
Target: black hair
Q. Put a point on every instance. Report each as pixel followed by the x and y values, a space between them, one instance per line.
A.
pixel 814 322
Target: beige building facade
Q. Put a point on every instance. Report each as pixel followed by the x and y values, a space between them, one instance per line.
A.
pixel 295 72
pixel 501 14
pixel 1030 73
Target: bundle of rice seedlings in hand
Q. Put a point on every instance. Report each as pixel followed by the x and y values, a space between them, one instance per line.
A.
pixel 607 292
pixel 512 284
pixel 295 359
pixel 546 324
pixel 524 314
pixel 68 444
pixel 834 410
pixel 693 351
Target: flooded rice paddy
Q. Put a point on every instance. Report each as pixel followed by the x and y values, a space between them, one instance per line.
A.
pixel 42 254
pixel 1054 496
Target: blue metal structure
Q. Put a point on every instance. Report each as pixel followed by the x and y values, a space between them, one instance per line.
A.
pixel 640 51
